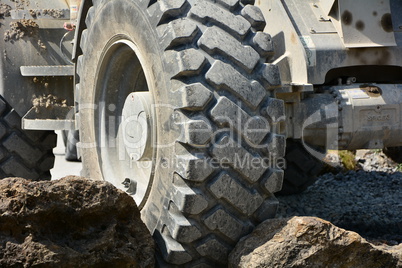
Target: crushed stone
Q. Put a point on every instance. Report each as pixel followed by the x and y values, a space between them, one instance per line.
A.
pixel 367 201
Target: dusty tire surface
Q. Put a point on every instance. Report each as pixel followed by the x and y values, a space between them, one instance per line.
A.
pixel 301 170
pixel 26 154
pixel 205 63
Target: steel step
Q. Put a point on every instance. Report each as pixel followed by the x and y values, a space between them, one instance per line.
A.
pixel 53 70
pixel 56 118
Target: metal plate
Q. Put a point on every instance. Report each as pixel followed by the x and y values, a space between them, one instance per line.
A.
pixel 56 70
pixel 366 23
pixel 57 118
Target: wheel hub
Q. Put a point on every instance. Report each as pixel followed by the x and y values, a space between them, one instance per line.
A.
pixel 137 123
pixel 126 124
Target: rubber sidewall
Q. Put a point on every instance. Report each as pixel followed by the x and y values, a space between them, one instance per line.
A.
pixel 116 18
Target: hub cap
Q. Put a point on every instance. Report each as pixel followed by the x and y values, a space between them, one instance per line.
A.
pixel 137 126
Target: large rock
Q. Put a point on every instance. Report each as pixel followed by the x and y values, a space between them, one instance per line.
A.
pixel 309 242
pixel 72 222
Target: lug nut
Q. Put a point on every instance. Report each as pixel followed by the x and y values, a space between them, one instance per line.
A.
pixel 131 185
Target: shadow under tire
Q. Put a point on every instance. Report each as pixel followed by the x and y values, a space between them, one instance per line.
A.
pixel 301 170
pixel 395 153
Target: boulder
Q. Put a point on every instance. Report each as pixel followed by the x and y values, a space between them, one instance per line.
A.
pixel 309 242
pixel 71 222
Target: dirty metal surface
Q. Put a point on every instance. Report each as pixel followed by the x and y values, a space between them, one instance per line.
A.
pixel 52 70
pixel 59 14
pixel 365 23
pixel 54 118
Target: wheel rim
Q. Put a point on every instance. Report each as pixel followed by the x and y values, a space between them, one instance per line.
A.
pixel 125 122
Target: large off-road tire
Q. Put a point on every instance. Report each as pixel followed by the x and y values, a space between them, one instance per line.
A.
pixel 26 154
pixel 199 69
pixel 301 170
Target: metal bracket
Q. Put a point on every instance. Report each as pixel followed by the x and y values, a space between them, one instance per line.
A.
pixel 54 118
pixel 365 23
pixel 55 70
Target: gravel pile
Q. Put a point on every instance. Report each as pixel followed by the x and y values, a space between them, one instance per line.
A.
pixel 367 202
pixel 368 160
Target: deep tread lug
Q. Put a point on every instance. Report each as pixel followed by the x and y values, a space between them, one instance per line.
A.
pixel 14 167
pixel 268 209
pixel 273 182
pixel 84 38
pixel 26 154
pixel 229 4
pixel 90 17
pixel 185 63
pixel 263 44
pixel 193 97
pixel 49 141
pixel 215 40
pixel 193 168
pixel 274 110
pixel 173 252
pixel 188 201
pixel 181 229
pixel 3 106
pixel 3 154
pixel 276 146
pixel 13 120
pixel 212 248
pixel 47 164
pixel 3 130
pixel 15 144
pixel 221 17
pixel 171 9
pixel 225 77
pixel 239 158
pixel 197 132
pixel 226 224
pixel 179 32
pixel 254 15
pixel 226 112
pixel 271 75
pixel 227 188
pixel 79 64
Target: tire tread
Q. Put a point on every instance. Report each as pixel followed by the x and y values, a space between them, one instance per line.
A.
pixel 200 218
pixel 23 153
